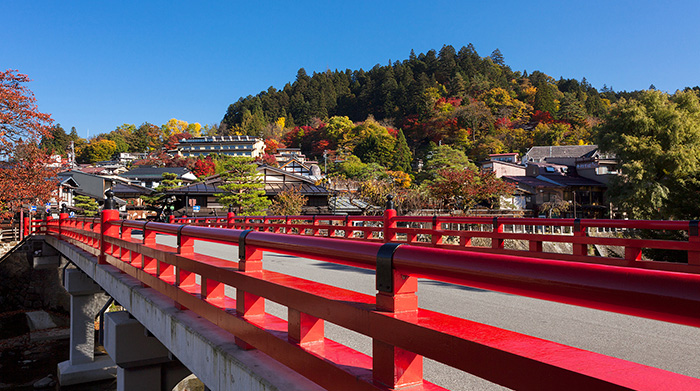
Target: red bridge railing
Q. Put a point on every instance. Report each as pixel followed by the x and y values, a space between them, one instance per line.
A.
pixel 401 332
pixel 498 235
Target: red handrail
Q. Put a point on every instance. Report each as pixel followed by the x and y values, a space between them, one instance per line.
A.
pixel 459 233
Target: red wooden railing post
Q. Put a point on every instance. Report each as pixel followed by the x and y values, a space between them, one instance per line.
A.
pixel 393 366
pixel 497 229
pixel 45 229
pixel 389 220
pixel 230 217
pixel 436 235
pixel 107 228
pixel 314 223
pixel 247 304
pixel 27 221
pixel 694 239
pixel 62 219
pixel 171 219
pixel 580 232
pixel 124 254
pixel 303 328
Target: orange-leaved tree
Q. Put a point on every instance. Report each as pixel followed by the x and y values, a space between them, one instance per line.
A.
pixel 25 176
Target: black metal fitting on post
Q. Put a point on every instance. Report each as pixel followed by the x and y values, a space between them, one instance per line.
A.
pixel 389 202
pixel 495 222
pixel 385 267
pixel 110 204
pixel 230 208
pixel 179 235
pixel 693 228
pixel 241 244
pixel 577 225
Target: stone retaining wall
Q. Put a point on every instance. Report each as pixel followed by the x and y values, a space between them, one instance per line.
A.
pixel 23 288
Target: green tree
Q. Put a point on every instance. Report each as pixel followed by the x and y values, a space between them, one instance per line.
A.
pixel 57 142
pixel 544 97
pixel 657 141
pixel 156 199
pixel 243 187
pixel 572 110
pixel 497 57
pixel 87 204
pixel 376 148
pixel 442 157
pixel 402 155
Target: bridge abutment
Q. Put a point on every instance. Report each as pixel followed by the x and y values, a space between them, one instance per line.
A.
pixel 143 362
pixel 86 299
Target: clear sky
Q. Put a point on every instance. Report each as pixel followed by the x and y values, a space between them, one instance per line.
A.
pixel 99 64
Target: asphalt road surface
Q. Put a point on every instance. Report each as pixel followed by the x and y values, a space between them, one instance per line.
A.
pixel 668 346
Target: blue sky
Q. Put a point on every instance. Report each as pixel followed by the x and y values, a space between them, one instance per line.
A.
pixel 99 64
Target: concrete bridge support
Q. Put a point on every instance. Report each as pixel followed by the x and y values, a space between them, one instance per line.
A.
pixel 143 362
pixel 86 300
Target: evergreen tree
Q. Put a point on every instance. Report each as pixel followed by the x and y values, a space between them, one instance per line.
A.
pixel 86 204
pixel 157 199
pixel 57 143
pixel 243 187
pixel 544 98
pixel 402 155
pixel 572 110
pixel 497 57
pixel 375 148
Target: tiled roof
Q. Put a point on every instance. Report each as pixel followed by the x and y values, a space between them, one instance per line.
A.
pixel 304 188
pixel 571 180
pixel 146 172
pixel 270 189
pixel 529 181
pixel 195 188
pixel 561 151
pixel 554 180
pixel 126 190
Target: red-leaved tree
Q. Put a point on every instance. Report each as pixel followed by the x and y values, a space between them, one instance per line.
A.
pixel 19 116
pixel 465 188
pixel 24 174
pixel 26 178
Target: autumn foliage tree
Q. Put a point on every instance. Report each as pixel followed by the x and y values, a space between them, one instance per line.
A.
pixel 19 115
pixel 25 179
pixel 288 202
pixel 24 176
pixel 462 189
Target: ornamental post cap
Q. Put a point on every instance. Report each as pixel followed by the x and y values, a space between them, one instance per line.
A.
pixel 389 202
pixel 110 204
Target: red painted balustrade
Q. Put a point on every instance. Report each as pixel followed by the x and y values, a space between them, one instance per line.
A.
pixel 581 235
pixel 402 333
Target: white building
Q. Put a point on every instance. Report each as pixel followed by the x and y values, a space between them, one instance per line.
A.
pixel 243 146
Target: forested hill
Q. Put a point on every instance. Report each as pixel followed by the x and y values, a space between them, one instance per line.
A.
pixel 451 96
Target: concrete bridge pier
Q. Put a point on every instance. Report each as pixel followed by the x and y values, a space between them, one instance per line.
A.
pixel 86 300
pixel 143 362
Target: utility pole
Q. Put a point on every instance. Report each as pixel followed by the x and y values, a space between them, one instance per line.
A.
pixel 325 162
